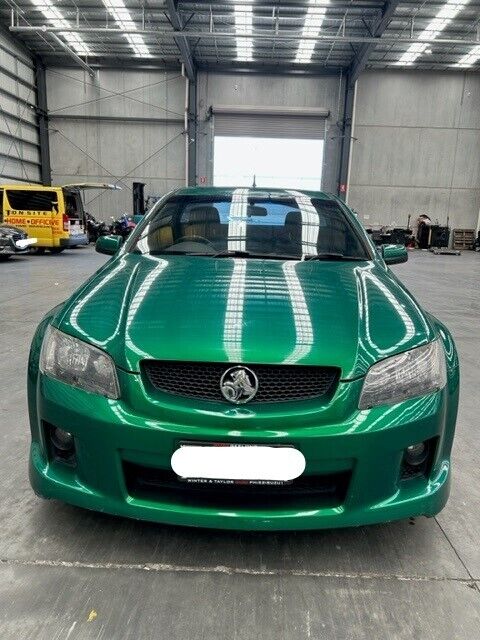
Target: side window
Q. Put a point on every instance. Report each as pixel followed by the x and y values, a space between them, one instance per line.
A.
pixel 30 200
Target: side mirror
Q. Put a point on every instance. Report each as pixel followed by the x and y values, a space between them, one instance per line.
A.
pixel 394 253
pixel 108 244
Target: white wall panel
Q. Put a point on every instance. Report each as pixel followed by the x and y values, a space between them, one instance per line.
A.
pixel 395 156
pixel 90 147
pixel 417 147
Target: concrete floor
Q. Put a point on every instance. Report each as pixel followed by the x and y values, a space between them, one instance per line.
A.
pixel 71 574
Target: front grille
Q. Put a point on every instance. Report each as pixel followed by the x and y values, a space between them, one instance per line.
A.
pixel 149 483
pixel 276 383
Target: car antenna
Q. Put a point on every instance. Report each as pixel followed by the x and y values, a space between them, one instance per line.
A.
pixel 254 181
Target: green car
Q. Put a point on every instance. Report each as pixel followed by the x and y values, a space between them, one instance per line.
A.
pixel 246 360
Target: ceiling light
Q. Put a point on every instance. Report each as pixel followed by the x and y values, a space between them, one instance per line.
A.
pixel 311 28
pixel 56 19
pixel 470 58
pixel 243 25
pixel 442 19
pixel 123 19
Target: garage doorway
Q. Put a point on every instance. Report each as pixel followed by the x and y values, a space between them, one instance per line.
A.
pixel 245 161
pixel 268 146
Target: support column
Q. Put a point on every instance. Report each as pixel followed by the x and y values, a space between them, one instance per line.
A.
pixel 192 132
pixel 42 121
pixel 348 106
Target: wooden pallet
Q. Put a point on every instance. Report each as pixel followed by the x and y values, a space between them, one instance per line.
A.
pixel 463 238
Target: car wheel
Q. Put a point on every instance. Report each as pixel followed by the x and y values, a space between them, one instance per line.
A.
pixel 56 250
pixel 4 258
pixel 39 251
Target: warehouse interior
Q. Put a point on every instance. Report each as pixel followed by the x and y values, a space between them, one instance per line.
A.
pixel 374 101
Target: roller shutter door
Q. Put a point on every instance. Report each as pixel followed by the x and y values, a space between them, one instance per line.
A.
pixel 269 122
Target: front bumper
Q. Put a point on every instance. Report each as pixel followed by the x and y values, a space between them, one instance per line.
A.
pixel 111 436
pixel 78 239
pixel 9 249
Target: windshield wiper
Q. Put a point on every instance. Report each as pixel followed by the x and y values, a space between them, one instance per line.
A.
pixel 175 252
pixel 227 253
pixel 331 256
pixel 231 253
pixel 240 253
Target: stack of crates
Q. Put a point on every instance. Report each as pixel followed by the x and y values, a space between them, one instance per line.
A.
pixel 463 239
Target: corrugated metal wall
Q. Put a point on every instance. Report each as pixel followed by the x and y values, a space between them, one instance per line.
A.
pixel 19 150
pixel 417 147
pixel 121 126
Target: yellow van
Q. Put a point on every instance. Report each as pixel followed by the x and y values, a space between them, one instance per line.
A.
pixel 53 215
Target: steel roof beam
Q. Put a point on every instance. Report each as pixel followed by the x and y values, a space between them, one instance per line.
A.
pixel 361 59
pixel 254 34
pixel 71 53
pixel 290 4
pixel 181 40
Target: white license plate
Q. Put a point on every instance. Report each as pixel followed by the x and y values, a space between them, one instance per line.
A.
pixel 231 463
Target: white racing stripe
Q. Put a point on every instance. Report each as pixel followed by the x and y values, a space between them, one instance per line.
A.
pixel 301 315
pixel 310 222
pixel 237 225
pixel 236 241
pixel 233 323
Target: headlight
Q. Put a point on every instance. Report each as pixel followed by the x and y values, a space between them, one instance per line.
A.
pixel 78 363
pixel 413 373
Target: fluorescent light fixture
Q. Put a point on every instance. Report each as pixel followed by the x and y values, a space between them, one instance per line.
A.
pixel 311 27
pixel 123 19
pixel 243 25
pixel 443 18
pixel 469 59
pixel 56 19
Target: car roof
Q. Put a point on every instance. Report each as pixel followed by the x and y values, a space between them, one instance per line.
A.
pixel 252 191
pixel 30 187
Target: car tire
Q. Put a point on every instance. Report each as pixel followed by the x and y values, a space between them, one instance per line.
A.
pixel 38 251
pixel 5 258
pixel 56 250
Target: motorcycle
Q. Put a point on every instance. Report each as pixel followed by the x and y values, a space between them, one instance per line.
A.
pixel 122 226
pixel 95 228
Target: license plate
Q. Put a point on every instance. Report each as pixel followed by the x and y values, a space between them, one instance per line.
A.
pixel 225 463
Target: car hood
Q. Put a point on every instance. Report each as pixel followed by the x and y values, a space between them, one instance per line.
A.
pixel 7 230
pixel 343 314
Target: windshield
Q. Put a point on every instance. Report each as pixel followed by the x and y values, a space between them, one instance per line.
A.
pixel 248 225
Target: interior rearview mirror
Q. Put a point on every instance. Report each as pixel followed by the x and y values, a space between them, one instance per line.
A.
pixel 394 253
pixel 108 244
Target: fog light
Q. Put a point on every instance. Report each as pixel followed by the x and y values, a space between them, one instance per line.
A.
pixel 62 440
pixel 416 454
